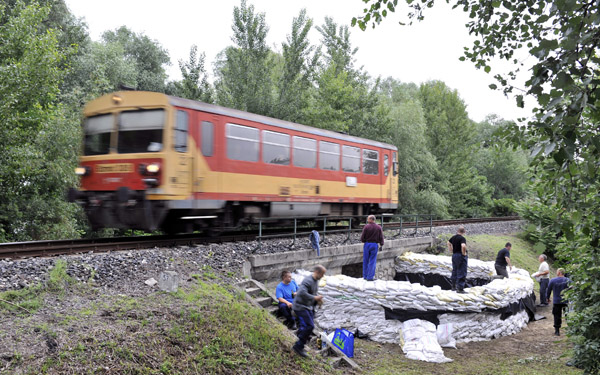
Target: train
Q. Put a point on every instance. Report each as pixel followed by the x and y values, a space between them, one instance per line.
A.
pixel 151 161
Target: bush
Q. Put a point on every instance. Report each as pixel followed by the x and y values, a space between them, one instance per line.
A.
pixel 504 207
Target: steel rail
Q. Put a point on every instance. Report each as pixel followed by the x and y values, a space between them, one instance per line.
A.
pixel 15 250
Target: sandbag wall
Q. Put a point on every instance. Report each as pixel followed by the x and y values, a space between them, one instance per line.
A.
pixel 359 304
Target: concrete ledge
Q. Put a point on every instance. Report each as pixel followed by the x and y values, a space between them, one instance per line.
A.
pixel 268 267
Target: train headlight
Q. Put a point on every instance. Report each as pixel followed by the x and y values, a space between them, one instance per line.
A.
pixel 153 168
pixel 83 171
pixel 149 169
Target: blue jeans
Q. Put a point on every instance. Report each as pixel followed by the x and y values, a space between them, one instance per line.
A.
pixel 459 270
pixel 369 260
pixel 306 326
pixel 543 290
pixel 286 312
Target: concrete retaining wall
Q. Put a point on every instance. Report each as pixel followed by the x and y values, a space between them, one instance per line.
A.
pixel 268 267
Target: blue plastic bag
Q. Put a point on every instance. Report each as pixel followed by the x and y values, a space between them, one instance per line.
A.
pixel 344 340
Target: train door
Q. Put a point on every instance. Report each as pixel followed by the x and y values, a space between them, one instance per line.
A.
pixel 394 179
pixel 181 179
pixel 205 162
pixel 386 184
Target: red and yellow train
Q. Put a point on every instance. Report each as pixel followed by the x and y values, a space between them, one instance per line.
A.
pixel 152 161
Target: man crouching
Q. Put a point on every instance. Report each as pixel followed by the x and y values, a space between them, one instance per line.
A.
pixel 304 303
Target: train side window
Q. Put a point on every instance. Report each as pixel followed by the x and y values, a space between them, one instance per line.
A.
pixel 329 156
pixel 370 161
pixel 350 159
pixel 181 131
pixel 395 163
pixel 305 152
pixel 208 130
pixel 276 148
pixel 242 142
pixel 386 165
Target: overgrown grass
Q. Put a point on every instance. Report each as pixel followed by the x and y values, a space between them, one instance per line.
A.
pixel 30 299
pixel 205 328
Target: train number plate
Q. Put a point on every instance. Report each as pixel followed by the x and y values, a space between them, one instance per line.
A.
pixel 114 168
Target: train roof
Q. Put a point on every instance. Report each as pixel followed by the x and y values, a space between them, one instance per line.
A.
pixel 159 98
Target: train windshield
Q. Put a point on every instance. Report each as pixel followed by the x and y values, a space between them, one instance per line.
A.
pixel 141 131
pixel 97 132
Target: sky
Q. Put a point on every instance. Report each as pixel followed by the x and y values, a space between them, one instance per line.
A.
pixel 427 50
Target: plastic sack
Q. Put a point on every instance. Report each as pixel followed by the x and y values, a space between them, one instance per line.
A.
pixel 344 341
pixel 444 335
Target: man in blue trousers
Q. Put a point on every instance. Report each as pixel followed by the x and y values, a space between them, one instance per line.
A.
pixel 458 245
pixel 304 304
pixel 372 237
pixel 559 304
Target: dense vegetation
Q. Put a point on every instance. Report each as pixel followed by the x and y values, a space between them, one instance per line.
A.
pixel 560 39
pixel 49 67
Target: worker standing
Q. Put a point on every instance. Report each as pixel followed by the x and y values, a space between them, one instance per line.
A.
pixel 457 244
pixel 372 237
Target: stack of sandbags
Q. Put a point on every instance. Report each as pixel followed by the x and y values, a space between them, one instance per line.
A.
pixel 483 326
pixel 419 341
pixel 356 295
pixel 359 304
pixel 442 265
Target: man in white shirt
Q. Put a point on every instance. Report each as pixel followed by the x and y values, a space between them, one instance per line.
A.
pixel 542 276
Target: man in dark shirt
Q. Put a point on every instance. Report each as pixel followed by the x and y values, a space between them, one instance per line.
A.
pixel 557 285
pixel 503 260
pixel 457 244
pixel 306 298
pixel 371 236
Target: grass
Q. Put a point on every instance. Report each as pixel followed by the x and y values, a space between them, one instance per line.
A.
pixel 205 328
pixel 30 299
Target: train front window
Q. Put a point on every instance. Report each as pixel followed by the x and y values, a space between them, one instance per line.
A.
pixel 141 131
pixel 97 132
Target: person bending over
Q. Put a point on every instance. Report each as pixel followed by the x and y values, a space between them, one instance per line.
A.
pixel 304 304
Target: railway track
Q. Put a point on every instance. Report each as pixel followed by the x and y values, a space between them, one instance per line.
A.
pixel 15 250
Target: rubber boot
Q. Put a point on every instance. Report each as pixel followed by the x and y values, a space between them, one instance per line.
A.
pixel 557 332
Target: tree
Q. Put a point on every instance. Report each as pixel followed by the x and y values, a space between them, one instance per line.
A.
pixel 345 100
pixel 561 39
pixel 338 49
pixel 243 74
pixel 299 70
pixel 194 84
pixel 505 168
pixel 417 166
pixel 38 150
pixel 148 56
pixel 450 138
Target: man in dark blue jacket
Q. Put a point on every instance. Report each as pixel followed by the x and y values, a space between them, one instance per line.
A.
pixel 557 285
pixel 372 237
pixel 304 302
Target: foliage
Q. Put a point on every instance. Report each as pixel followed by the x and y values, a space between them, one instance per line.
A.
pixel 148 56
pixel 561 39
pixel 417 166
pixel 194 84
pixel 243 74
pixel 299 70
pixel 505 168
pixel 38 153
pixel 450 138
pixel 504 207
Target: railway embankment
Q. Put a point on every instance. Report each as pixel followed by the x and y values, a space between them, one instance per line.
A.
pixel 128 270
